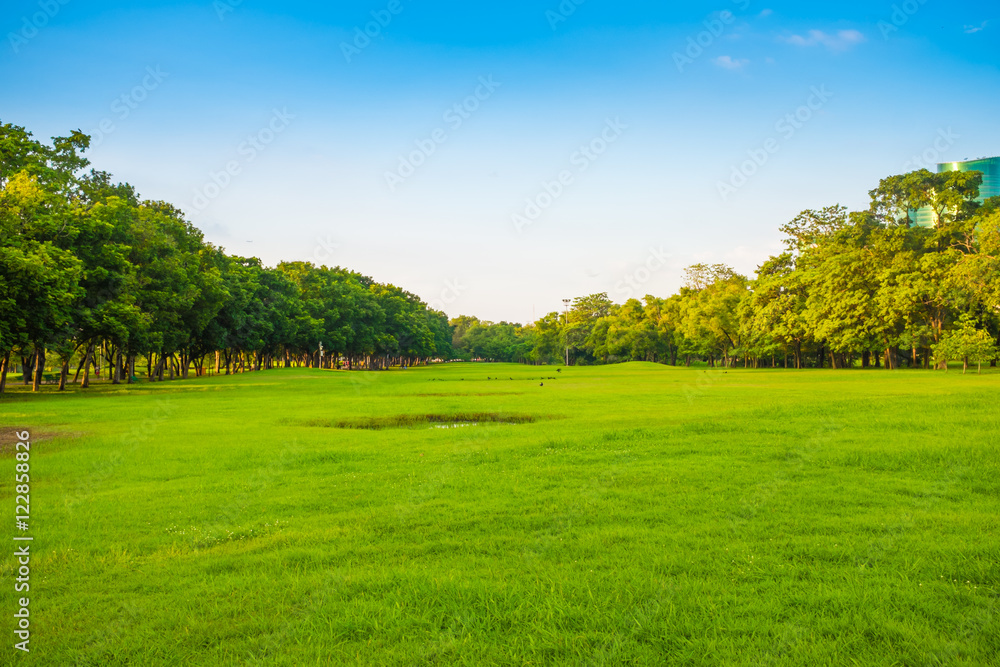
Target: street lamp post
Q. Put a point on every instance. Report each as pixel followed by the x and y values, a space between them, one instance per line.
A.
pixel 321 354
pixel 566 308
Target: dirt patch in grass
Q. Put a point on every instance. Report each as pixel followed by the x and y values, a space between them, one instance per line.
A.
pixel 8 437
pixel 414 421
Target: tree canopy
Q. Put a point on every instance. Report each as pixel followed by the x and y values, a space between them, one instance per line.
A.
pixel 90 271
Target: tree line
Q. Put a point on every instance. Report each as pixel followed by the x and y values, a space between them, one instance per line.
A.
pixel 93 277
pixel 867 288
pixel 91 273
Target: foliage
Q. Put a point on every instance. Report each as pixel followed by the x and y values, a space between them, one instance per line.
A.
pixel 967 344
pixel 86 265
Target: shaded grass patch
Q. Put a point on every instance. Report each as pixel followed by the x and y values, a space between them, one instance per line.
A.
pixel 463 395
pixel 413 421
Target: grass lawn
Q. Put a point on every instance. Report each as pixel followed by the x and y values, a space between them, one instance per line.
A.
pixel 626 515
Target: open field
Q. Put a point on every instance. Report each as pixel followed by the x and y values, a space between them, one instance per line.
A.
pixel 635 514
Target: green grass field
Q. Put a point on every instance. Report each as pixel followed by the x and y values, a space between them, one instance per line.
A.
pixel 633 515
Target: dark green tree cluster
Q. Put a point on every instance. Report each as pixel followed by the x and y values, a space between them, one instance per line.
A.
pixel 488 341
pixel 868 288
pixel 89 272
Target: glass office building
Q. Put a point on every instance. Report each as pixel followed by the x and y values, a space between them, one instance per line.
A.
pixel 990 188
pixel 991 174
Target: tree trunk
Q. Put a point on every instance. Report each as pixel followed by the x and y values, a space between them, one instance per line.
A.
pixel 63 374
pixel 27 364
pixel 3 370
pixel 39 368
pixel 79 367
pixel 116 363
pixel 86 367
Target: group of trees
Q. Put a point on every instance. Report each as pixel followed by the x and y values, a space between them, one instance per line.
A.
pixel 867 288
pixel 92 276
pixel 90 272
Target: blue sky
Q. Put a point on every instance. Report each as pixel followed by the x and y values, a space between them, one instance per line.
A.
pixel 595 147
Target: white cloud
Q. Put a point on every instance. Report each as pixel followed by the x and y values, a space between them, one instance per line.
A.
pixel 841 41
pixel 972 29
pixel 727 62
pixel 767 12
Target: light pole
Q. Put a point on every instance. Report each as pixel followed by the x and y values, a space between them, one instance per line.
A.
pixel 321 354
pixel 566 308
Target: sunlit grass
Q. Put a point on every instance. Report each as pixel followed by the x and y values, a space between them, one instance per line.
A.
pixel 665 516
